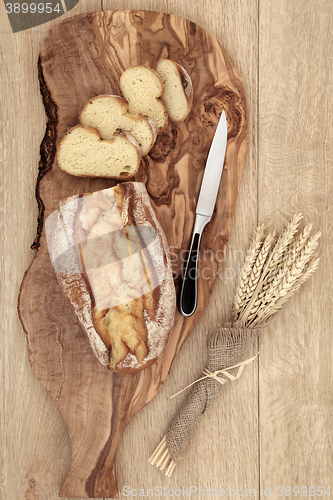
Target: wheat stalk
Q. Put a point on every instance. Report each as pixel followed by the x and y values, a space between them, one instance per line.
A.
pixel 292 271
pixel 250 259
pixel 301 240
pixel 277 273
pixel 270 267
pixel 288 277
pixel 313 265
pixel 258 267
pixel 275 276
pixel 284 241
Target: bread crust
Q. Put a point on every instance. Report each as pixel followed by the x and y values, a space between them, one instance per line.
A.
pixel 187 83
pixel 125 336
pixel 153 127
pixel 121 101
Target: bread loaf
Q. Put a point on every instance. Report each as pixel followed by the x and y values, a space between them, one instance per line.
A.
pixel 82 152
pixel 109 113
pixel 110 256
pixel 142 88
pixel 178 91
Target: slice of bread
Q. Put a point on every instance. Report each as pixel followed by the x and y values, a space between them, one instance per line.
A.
pixel 142 88
pixel 82 152
pixel 108 113
pixel 178 90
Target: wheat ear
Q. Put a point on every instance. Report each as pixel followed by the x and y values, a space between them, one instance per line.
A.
pixel 277 273
pixel 292 251
pixel 313 265
pixel 250 259
pixel 287 279
pixel 284 241
pixel 270 266
pixel 258 267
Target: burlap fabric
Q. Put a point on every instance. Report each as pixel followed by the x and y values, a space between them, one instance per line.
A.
pixel 226 346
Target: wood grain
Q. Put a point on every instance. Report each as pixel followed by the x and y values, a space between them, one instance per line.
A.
pixel 295 102
pixel 34 438
pixel 295 160
pixel 213 457
pixel 95 49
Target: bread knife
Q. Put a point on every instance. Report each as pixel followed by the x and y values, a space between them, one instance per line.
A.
pixel 188 291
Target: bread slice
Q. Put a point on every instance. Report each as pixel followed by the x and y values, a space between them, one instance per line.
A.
pixel 82 152
pixel 108 113
pixel 142 88
pixel 110 256
pixel 178 89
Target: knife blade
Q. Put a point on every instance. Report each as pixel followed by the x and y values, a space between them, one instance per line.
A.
pixel 188 291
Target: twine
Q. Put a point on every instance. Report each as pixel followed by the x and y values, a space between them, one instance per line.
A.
pixel 215 375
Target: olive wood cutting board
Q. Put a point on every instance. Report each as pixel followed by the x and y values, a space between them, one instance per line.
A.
pixel 82 57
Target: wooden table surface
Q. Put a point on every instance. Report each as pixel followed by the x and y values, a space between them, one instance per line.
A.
pixel 273 427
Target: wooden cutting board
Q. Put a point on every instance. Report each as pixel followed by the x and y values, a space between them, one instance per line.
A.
pixel 82 57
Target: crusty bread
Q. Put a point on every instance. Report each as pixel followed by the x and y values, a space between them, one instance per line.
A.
pixel 142 88
pixel 111 259
pixel 178 90
pixel 108 113
pixel 83 153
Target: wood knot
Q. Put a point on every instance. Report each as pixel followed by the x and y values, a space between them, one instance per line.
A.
pixel 213 105
pixel 32 483
pixel 165 144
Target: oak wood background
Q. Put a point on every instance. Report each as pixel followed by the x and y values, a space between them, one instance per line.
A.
pixel 274 426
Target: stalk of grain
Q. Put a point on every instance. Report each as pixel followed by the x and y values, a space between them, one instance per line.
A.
pixel 276 306
pixel 275 278
pixel 258 266
pixel 250 259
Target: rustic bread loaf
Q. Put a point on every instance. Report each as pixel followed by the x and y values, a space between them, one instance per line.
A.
pixel 108 113
pixel 110 256
pixel 142 88
pixel 82 152
pixel 178 91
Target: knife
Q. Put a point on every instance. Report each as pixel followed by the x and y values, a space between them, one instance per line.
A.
pixel 188 291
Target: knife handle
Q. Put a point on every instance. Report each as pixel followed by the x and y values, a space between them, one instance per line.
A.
pixel 188 290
